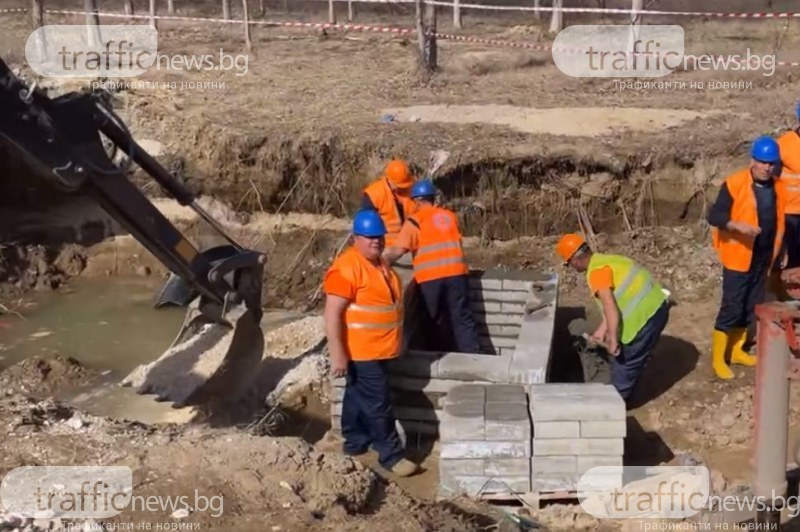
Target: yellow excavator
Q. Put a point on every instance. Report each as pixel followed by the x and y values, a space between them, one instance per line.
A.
pixel 65 140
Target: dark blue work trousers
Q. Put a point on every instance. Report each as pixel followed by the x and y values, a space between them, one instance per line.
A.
pixel 627 367
pixel 448 304
pixel 367 418
pixel 791 240
pixel 741 292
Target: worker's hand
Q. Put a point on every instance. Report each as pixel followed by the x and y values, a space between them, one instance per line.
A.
pixel 598 337
pixel 612 345
pixel 744 228
pixel 338 365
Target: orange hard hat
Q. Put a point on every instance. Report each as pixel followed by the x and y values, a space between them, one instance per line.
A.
pixel 568 245
pixel 398 172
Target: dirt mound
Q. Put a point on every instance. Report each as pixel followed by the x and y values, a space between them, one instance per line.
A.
pixel 41 377
pixel 37 267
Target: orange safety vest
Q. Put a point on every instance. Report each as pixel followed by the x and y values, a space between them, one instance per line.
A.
pixel 789 182
pixel 383 199
pixel 439 254
pixel 374 319
pixel 735 250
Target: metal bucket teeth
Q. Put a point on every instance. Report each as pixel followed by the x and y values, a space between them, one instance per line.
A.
pixel 206 360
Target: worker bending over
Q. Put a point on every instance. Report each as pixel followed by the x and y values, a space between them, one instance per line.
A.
pixel 788 186
pixel 634 306
pixel 389 196
pixel 748 221
pixel 440 268
pixel 363 322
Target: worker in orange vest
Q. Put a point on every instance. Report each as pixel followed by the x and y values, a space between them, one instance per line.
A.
pixel 788 187
pixel 363 322
pixel 440 268
pixel 748 221
pixel 389 196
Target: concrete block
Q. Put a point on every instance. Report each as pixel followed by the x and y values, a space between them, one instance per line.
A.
pixel 585 463
pixel 513 284
pixel 498 341
pixel 482 283
pixel 462 422
pixel 571 406
pixel 415 366
pixel 520 373
pixel 499 318
pixel 338 382
pixel 554 482
pixel 546 465
pixel 400 382
pixel 507 467
pixel 556 429
pixel 506 393
pixel 507 422
pixel 337 395
pixel 336 423
pixel 604 429
pixel 466 367
pixel 485 449
pixel 466 393
pixel 336 409
pixel 570 388
pixel 513 308
pixel 486 307
pixel 486 295
pixel 578 446
pixel 511 331
pixel 484 485
pixel 463 467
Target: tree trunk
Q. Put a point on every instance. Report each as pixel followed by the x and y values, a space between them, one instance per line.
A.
pixel 226 9
pixel 431 51
pixel 129 7
pixel 246 16
pixel 37 14
pixel 262 10
pixel 636 24
pixel 557 22
pixel 331 12
pixel 456 14
pixel 351 11
pixel 418 4
pixel 171 7
pixel 92 22
pixel 537 14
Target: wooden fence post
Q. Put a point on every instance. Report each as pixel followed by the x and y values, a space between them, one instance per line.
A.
pixel 153 11
pixel 37 13
pixel 351 11
pixel 457 14
pixel 92 22
pixel 226 9
pixel 537 14
pixel 171 6
pixel 431 48
pixel 557 22
pixel 331 12
pixel 129 7
pixel 247 42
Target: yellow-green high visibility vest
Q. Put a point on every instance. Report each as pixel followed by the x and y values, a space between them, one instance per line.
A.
pixel 638 295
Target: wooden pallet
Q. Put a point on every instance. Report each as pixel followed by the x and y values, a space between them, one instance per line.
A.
pixel 533 500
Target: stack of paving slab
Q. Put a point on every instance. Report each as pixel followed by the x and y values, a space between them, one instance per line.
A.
pixel 496 440
pixel 515 312
pixel 485 438
pixel 576 427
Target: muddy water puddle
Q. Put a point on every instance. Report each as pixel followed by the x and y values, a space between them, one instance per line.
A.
pixel 110 326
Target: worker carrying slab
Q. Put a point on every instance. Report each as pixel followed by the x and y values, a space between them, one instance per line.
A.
pixel 389 196
pixel 440 268
pixel 748 220
pixel 788 186
pixel 635 308
pixel 363 323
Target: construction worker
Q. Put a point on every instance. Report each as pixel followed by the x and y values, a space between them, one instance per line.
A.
pixel 363 322
pixel 440 268
pixel 635 308
pixel 748 221
pixel 389 196
pixel 788 186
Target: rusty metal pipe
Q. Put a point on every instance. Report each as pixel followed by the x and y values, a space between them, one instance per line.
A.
pixel 771 404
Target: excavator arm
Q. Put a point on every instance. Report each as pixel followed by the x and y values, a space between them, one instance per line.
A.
pixel 61 140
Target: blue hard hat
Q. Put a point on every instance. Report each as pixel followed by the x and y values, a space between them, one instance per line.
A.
pixel 368 223
pixel 766 150
pixel 423 188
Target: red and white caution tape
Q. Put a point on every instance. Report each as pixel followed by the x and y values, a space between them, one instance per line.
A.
pixel 349 27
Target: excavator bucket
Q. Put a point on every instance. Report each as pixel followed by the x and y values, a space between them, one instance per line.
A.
pixel 213 356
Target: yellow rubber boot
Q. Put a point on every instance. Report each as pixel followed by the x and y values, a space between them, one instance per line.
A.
pixel 739 355
pixel 719 346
